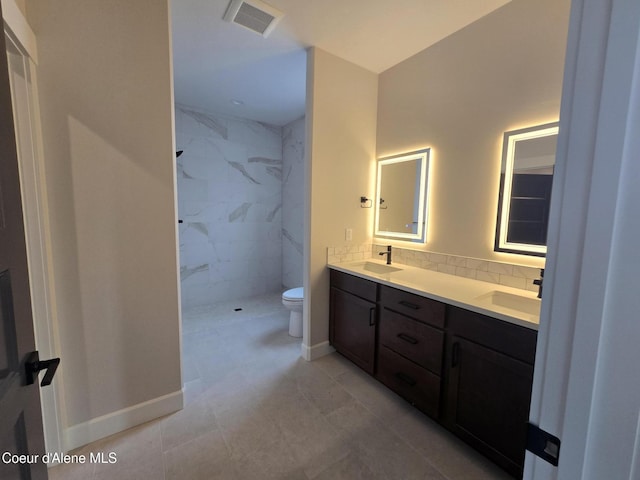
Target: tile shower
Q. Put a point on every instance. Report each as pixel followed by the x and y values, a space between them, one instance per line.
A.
pixel 292 202
pixel 240 196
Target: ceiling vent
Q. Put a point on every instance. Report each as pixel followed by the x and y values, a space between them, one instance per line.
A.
pixel 255 15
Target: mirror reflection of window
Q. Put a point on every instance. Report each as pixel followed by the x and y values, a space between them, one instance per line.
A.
pixel 401 196
pixel 525 189
pixel 531 190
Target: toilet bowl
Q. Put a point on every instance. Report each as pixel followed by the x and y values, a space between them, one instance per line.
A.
pixel 293 300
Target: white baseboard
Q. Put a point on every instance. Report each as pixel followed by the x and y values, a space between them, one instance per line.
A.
pixel 101 427
pixel 316 351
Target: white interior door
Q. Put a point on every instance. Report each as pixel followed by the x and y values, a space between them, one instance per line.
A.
pixel 20 409
pixel 22 71
pixel 586 389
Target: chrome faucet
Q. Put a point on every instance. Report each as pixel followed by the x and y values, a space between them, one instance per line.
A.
pixel 538 282
pixel 388 254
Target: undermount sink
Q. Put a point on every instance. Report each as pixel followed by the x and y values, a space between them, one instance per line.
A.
pixel 379 268
pixel 512 301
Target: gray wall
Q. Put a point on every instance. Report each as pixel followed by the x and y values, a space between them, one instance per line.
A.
pixel 459 96
pixel 341 144
pixel 104 79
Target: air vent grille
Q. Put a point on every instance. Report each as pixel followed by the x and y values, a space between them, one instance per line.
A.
pixel 255 15
pixel 253 18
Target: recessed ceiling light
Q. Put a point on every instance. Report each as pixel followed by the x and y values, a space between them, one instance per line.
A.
pixel 237 102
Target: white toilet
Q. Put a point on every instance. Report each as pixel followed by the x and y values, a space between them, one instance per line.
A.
pixel 293 300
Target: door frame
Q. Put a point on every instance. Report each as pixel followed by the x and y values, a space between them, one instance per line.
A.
pixel 585 390
pixel 31 166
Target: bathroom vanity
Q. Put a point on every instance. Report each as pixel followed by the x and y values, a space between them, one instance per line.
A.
pixel 460 350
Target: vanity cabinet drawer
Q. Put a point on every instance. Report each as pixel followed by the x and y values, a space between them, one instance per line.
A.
pixel 416 341
pixel 414 306
pixel 414 383
pixel 358 286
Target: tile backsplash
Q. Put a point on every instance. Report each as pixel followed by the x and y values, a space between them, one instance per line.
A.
pixel 508 274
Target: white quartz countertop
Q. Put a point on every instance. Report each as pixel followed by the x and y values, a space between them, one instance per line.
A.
pixel 512 305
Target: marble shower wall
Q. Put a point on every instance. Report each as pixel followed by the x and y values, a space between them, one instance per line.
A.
pixel 293 138
pixel 230 200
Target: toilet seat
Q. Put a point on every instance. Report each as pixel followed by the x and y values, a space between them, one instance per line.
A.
pixel 294 295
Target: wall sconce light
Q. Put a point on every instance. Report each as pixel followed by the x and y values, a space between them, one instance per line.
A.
pixel 366 202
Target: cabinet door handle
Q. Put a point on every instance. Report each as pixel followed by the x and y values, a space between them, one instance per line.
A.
pixel 405 378
pixel 410 305
pixel 407 338
pixel 455 354
pixel 372 316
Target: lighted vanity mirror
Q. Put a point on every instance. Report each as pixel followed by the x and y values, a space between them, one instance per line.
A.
pixel 401 196
pixel 528 158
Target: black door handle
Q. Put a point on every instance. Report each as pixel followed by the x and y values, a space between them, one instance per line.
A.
pixel 455 355
pixel 372 316
pixel 33 365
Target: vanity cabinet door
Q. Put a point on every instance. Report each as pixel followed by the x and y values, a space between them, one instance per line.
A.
pixel 352 328
pixel 489 377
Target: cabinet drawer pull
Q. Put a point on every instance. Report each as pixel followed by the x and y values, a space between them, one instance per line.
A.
pixel 372 316
pixel 407 338
pixel 405 378
pixel 455 354
pixel 410 305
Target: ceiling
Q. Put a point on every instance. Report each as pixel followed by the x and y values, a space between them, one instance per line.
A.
pixel 216 62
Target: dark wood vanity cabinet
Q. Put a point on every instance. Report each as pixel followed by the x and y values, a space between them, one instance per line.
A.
pixel 489 376
pixel 410 347
pixel 470 372
pixel 352 319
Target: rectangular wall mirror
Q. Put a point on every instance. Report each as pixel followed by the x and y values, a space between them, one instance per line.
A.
pixel 401 196
pixel 528 158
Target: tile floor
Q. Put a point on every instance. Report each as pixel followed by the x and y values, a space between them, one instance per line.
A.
pixel 256 410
